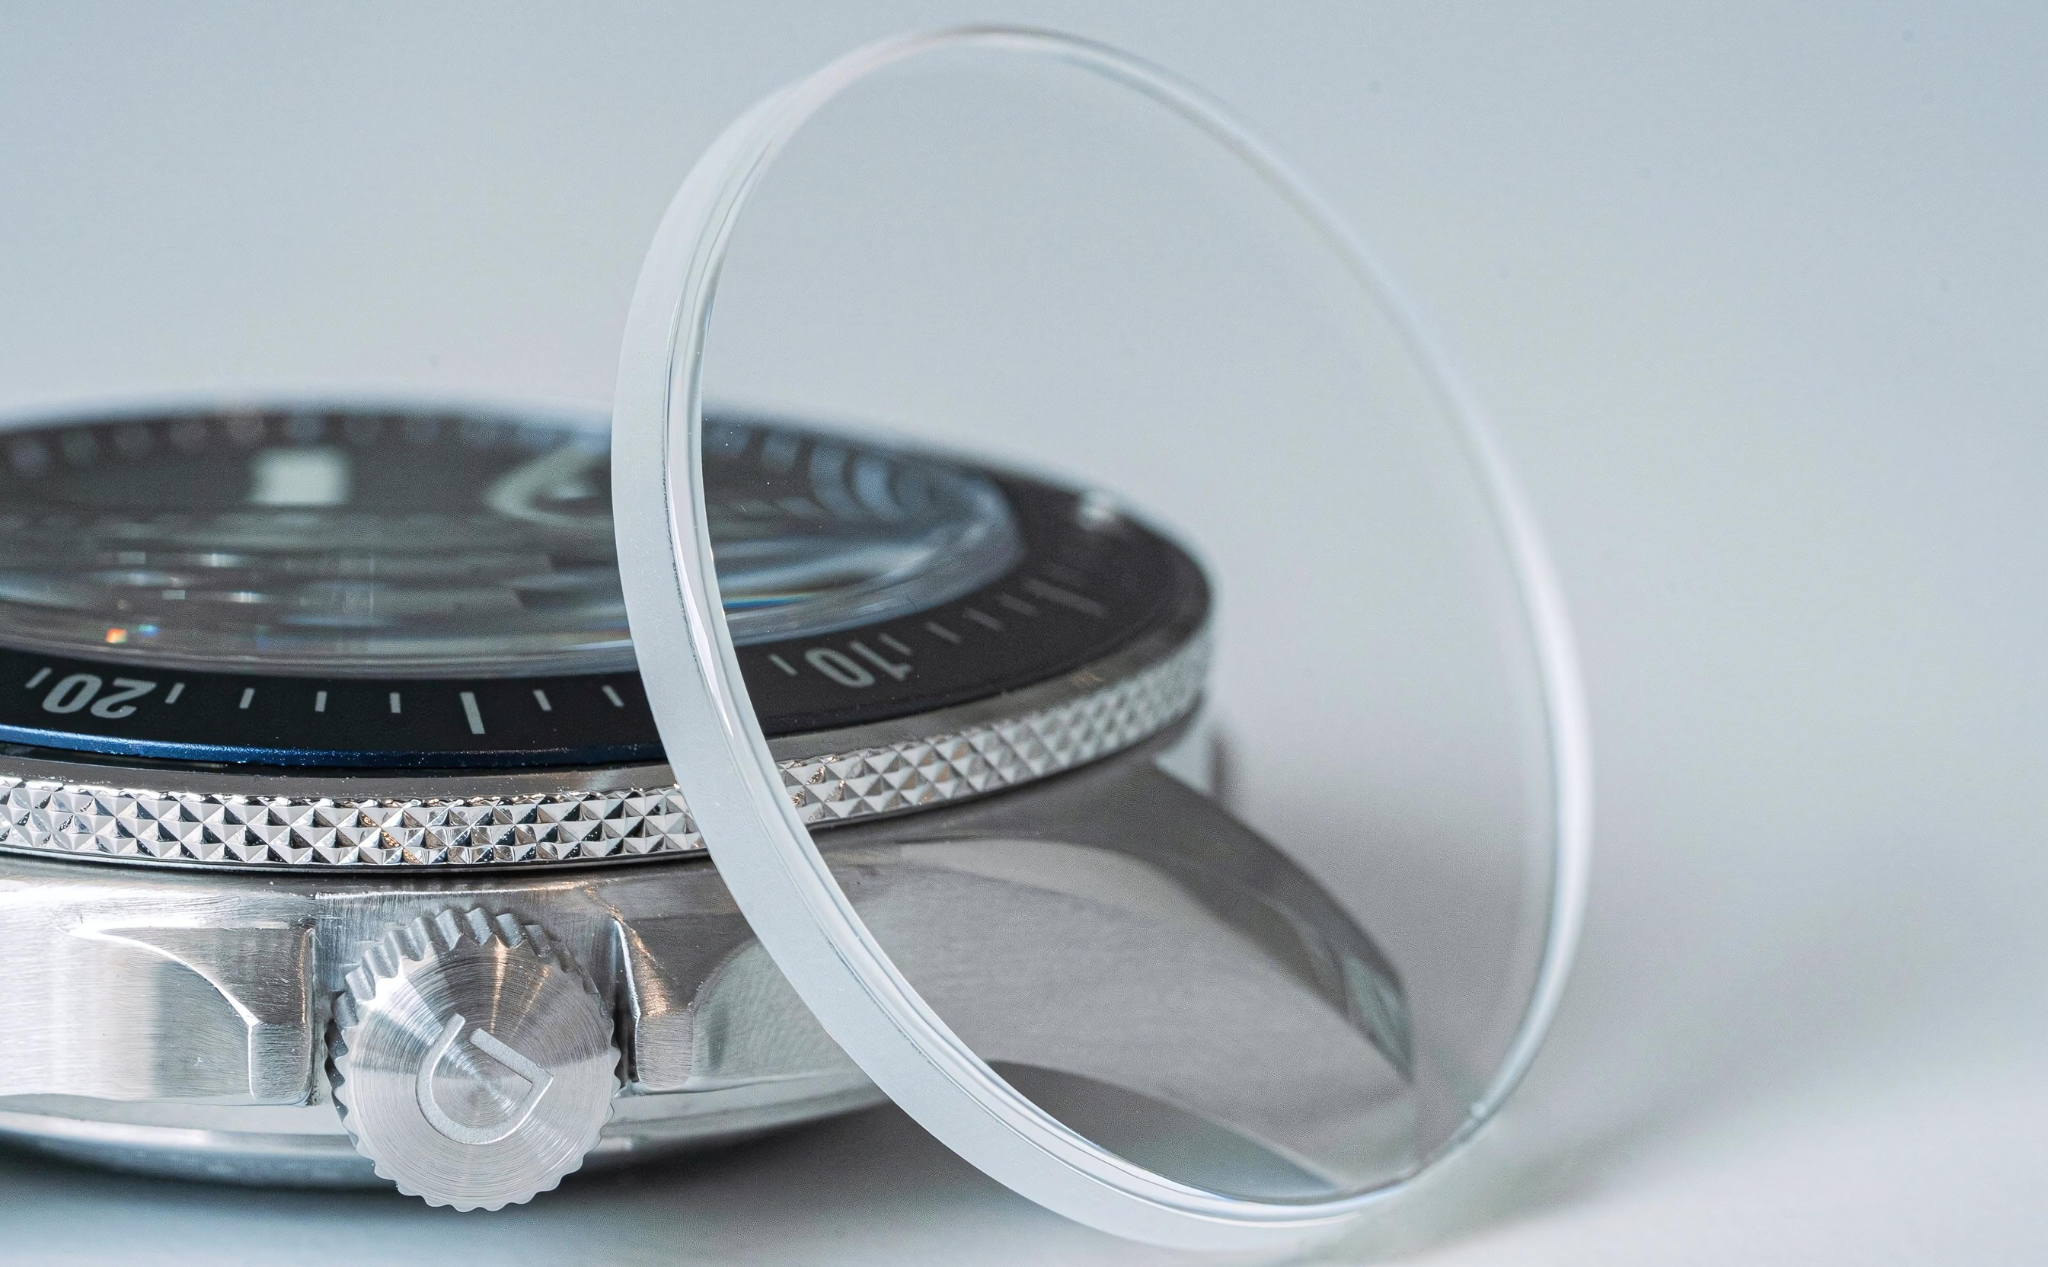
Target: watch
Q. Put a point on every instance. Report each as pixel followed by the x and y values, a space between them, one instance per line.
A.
pixel 336 843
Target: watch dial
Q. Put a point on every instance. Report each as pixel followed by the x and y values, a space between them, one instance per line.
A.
pixel 361 543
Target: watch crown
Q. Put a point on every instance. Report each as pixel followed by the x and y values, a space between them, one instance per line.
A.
pixel 472 1059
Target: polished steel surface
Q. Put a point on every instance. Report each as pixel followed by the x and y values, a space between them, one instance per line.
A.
pixel 472 1060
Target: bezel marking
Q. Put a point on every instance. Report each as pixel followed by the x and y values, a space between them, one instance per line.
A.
pixel 251 830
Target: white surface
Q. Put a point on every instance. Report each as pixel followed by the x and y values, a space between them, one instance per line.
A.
pixel 1758 299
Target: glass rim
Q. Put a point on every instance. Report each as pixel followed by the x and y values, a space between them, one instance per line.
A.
pixel 766 853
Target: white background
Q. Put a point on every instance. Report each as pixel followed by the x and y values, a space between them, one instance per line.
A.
pixel 1759 299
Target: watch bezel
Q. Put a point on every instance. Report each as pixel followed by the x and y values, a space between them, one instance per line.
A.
pixel 1025 632
pixel 459 820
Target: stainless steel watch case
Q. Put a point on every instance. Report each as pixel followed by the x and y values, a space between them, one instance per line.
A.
pixel 178 1020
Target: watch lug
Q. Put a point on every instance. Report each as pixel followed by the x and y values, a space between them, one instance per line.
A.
pixel 130 1009
pixel 705 1009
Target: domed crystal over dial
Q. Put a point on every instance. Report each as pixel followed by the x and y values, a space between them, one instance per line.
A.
pixel 363 542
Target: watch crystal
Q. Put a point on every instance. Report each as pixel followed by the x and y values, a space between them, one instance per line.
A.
pixel 356 542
